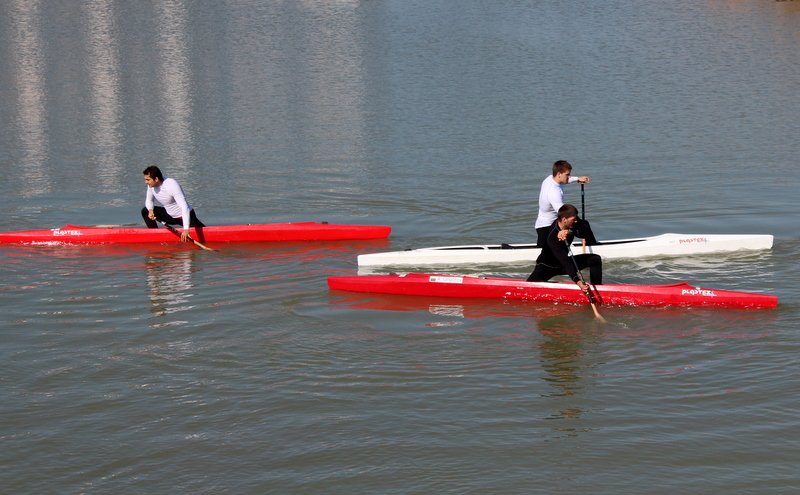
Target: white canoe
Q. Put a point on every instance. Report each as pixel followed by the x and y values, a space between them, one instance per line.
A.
pixel 493 254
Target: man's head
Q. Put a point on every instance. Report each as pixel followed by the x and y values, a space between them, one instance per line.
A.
pixel 561 171
pixel 152 176
pixel 567 215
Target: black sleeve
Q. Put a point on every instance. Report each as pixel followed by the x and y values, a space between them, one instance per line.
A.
pixel 561 253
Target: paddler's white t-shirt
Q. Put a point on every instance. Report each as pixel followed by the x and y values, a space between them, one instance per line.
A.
pixel 170 195
pixel 551 198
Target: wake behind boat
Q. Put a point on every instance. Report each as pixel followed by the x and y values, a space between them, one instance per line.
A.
pixel 466 286
pixel 264 232
pixel 494 254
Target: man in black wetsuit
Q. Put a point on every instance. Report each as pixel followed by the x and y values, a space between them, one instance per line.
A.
pixel 555 256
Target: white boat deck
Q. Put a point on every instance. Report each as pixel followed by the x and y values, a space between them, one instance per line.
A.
pixel 493 254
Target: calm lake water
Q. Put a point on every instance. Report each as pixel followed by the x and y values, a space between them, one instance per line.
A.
pixel 169 369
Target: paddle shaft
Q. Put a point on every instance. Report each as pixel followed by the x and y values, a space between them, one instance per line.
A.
pixel 583 203
pixel 589 291
pixel 583 216
pixel 175 231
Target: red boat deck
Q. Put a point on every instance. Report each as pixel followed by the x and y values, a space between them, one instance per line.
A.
pixel 457 286
pixel 267 232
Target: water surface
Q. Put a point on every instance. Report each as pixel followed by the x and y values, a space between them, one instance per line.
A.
pixel 169 369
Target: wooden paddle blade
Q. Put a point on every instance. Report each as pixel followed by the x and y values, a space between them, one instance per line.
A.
pixel 198 243
pixel 175 231
pixel 597 314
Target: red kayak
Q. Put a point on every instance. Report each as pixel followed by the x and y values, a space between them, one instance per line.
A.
pixel 296 231
pixel 466 286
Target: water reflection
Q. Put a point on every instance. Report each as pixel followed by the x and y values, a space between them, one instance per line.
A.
pixel 336 87
pixel 27 50
pixel 560 350
pixel 562 354
pixel 311 67
pixel 176 87
pixel 169 280
pixel 570 334
pixel 103 69
pixel 451 307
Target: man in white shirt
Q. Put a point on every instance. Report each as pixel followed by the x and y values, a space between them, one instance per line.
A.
pixel 551 197
pixel 174 209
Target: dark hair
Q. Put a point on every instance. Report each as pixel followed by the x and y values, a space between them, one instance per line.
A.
pixel 566 211
pixel 561 166
pixel 153 172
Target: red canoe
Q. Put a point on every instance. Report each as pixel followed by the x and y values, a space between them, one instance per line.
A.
pixel 425 284
pixel 297 231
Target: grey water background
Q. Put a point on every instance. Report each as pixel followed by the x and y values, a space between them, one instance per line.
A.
pixel 173 370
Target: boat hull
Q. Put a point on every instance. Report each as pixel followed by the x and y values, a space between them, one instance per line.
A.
pixel 505 254
pixel 268 232
pixel 458 286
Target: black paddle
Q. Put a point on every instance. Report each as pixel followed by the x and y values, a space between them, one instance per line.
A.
pixel 583 216
pixel 175 231
pixel 588 290
pixel 583 204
